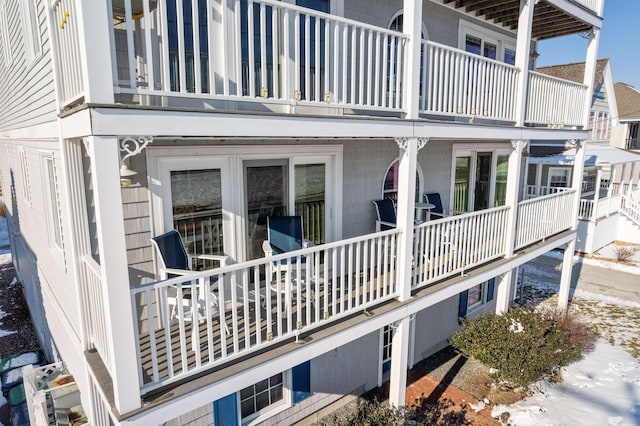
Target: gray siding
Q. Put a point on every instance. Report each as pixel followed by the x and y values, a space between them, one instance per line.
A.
pixel 27 95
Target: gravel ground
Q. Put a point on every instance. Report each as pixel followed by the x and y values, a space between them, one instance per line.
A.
pixel 16 318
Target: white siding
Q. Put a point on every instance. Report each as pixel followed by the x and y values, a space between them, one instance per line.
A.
pixel 27 95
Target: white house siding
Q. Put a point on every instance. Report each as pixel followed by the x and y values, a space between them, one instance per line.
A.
pixel 49 286
pixel 27 95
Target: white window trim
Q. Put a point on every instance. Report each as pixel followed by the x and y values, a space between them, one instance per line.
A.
pixel 472 150
pixel 234 156
pixel 31 31
pixel 26 180
pixel 425 33
pixel 273 409
pixel 559 170
pixel 419 189
pixel 49 202
pixel 501 40
pixel 483 300
pixel 7 53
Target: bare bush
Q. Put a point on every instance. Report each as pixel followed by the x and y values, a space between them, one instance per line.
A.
pixel 624 253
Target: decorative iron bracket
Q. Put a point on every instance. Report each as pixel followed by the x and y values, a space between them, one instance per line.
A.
pixel 133 145
pixel 403 143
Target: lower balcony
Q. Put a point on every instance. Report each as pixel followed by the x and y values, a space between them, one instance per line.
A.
pixel 191 324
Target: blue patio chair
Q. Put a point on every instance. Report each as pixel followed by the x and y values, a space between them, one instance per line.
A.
pixel 285 235
pixel 386 212
pixel 434 198
pixel 174 261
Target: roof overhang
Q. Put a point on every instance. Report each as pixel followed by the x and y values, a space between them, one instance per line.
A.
pixel 595 155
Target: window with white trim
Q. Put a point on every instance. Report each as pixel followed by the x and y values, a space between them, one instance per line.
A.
pixel 390 183
pixel 255 399
pixel 559 177
pixel 387 339
pixel 31 30
pixel 52 201
pixel 26 181
pixel 485 42
pixel 599 125
pixel 5 47
pixel 476 297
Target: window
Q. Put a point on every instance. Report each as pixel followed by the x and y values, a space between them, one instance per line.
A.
pixel 599 125
pixel 52 202
pixel 387 339
pixel 390 183
pixel 26 181
pixel 480 179
pixel 257 397
pixel 475 297
pixel 31 30
pixel 5 47
pixel 559 177
pixel 485 42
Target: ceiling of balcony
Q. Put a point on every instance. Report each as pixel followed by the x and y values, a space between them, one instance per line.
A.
pixel 548 21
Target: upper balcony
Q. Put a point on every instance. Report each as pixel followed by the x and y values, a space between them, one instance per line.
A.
pixel 267 55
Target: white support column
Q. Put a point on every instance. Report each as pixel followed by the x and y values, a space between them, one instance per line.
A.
pixel 538 179
pixel 505 291
pixel 412 27
pixel 513 182
pixel 565 277
pixel 612 181
pixel 578 169
pixel 409 148
pixel 95 48
pixel 631 178
pixel 523 47
pixel 105 158
pixel 399 360
pixel 590 72
pixel 406 209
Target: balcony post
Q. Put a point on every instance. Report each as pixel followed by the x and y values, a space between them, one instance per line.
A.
pixel 565 277
pixel 105 159
pixel 590 72
pixel 578 169
pixel 596 195
pixel 412 27
pixel 523 47
pixel 95 51
pixel 405 221
pixel 512 191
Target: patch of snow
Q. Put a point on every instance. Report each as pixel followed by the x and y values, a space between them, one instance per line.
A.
pixel 601 388
pixel 515 326
pixel 22 360
pixel 3 402
pixel 4 332
pixel 5 259
pixel 600 263
pixel 606 299
pixel 478 407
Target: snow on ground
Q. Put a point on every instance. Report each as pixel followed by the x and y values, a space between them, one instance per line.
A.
pixel 604 387
pixel 606 252
pixel 601 389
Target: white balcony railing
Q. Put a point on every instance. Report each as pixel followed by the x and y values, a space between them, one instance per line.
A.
pixel 450 246
pixel 249 306
pixel 459 83
pixel 66 40
pixel 532 191
pixel 542 217
pixel 631 208
pixel 555 102
pixel 95 323
pixel 593 5
pixel 606 206
pixel 258 50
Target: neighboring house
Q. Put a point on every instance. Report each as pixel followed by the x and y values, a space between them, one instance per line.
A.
pixel 612 213
pixel 122 120
pixel 626 134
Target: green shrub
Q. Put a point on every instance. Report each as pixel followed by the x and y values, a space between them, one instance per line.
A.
pixel 524 344
pixel 371 413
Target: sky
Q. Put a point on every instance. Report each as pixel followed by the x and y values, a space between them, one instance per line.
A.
pixel 619 41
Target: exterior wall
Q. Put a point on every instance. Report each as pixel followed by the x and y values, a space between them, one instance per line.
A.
pixel 619 134
pixel 440 22
pixel 628 231
pixel 433 327
pixel 47 272
pixel 27 93
pixel 349 369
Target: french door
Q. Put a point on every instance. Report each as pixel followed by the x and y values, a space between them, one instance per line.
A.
pixel 281 187
pixel 480 179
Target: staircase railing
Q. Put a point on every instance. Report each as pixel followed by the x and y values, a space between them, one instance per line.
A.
pixel 631 209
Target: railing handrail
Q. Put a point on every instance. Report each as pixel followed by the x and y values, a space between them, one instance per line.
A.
pixel 544 197
pixel 328 16
pixel 558 79
pixel 195 275
pixel 462 216
pixel 469 54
